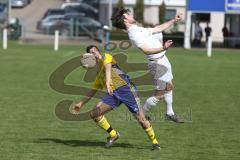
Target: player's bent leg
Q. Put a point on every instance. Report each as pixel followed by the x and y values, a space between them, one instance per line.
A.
pixel 168 98
pixel 97 114
pixel 129 97
pixel 148 129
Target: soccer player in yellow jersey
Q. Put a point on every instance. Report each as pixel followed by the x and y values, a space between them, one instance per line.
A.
pixel 120 90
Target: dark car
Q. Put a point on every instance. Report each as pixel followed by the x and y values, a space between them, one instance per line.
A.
pixel 88 10
pixel 54 12
pixel 46 23
pixel 73 25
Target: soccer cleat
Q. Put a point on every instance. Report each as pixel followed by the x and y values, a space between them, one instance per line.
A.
pixel 156 147
pixel 174 118
pixel 111 140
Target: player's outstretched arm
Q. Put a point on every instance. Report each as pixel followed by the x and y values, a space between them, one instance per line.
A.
pixel 147 50
pixel 168 24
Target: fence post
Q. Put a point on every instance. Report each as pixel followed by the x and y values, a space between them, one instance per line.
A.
pixel 187 34
pixel 209 47
pixel 56 40
pixel 5 39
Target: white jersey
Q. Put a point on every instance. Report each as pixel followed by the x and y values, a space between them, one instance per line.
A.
pixel 140 35
pixel 158 65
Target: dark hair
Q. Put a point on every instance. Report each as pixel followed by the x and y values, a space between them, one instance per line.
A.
pixel 118 18
pixel 90 47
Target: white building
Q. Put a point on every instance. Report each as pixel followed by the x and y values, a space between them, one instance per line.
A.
pixel 216 19
pixel 151 9
pixel 220 14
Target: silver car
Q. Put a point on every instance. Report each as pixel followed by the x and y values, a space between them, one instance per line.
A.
pixel 19 3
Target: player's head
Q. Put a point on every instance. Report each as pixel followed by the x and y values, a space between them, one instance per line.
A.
pixel 92 49
pixel 121 18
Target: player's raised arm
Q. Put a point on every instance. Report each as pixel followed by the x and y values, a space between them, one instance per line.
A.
pixel 148 50
pixel 168 24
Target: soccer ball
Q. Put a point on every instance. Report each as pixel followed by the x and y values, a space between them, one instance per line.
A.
pixel 88 60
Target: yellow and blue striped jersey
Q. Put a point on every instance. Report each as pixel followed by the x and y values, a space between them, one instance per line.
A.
pixel 116 80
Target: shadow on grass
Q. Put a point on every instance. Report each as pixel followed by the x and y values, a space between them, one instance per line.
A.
pixel 86 143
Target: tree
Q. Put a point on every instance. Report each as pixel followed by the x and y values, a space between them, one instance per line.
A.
pixel 162 12
pixel 139 11
pixel 120 3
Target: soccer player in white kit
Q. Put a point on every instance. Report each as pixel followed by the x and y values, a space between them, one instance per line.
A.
pixel 150 42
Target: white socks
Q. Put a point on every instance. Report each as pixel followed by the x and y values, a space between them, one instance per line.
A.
pixel 152 101
pixel 168 98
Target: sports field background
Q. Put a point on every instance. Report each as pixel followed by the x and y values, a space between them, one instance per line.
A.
pixel 207 92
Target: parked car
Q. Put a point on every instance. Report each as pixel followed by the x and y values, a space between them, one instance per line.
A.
pixel 54 11
pixel 46 23
pixel 85 26
pixel 19 3
pixel 52 15
pixel 3 13
pixel 74 24
pixel 64 5
pixel 83 5
pixel 87 9
pixel 69 1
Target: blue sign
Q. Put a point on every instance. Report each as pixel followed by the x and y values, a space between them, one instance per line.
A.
pixel 206 6
pixel 233 6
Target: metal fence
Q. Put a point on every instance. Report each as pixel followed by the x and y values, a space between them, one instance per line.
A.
pixel 35 28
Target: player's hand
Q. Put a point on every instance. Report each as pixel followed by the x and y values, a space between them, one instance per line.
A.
pixel 178 17
pixel 75 109
pixel 109 89
pixel 168 44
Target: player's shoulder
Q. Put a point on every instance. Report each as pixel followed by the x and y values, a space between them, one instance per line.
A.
pixel 108 58
pixel 137 31
pixel 134 29
pixel 107 55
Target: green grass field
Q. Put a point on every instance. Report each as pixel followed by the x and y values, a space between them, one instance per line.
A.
pixel 207 92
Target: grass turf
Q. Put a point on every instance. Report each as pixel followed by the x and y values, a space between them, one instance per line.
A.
pixel 206 93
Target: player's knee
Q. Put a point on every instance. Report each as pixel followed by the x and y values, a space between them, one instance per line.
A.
pixel 95 113
pixel 159 95
pixel 169 87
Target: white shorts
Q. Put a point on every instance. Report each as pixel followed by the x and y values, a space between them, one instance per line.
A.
pixel 161 72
